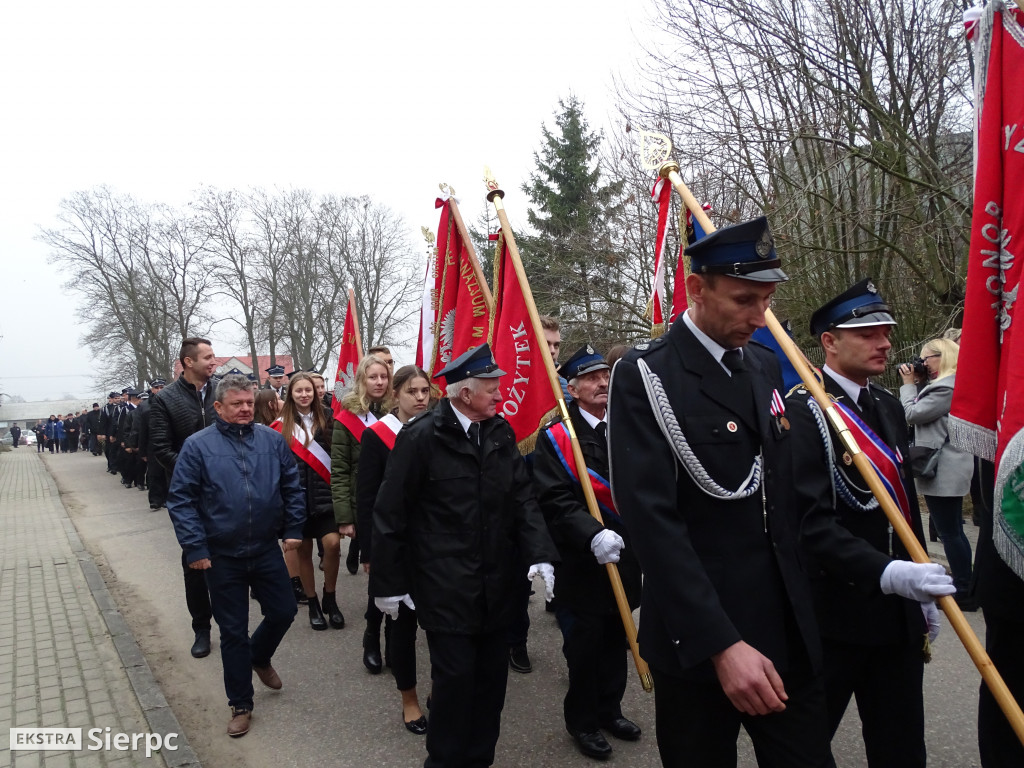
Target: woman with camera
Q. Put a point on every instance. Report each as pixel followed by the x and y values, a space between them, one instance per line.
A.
pixel 945 485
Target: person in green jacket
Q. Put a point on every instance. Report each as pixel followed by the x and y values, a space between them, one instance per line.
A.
pixel 369 399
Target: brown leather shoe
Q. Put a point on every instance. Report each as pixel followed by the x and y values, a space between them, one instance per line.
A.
pixel 268 676
pixel 239 725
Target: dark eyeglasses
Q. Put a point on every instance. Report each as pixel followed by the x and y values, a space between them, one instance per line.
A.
pixel 929 357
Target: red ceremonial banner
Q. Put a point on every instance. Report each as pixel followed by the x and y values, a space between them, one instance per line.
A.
pixel 987 408
pixel 525 390
pixel 462 314
pixel 349 355
pixel 987 416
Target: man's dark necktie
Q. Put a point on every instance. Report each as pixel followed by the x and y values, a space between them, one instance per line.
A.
pixel 733 360
pixel 866 404
pixel 474 434
pixel 602 430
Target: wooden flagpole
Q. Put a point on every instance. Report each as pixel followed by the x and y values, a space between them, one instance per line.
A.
pixel 989 673
pixel 494 195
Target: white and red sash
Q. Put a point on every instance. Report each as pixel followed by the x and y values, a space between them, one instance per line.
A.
pixel 355 424
pixel 884 459
pixel 387 430
pixel 314 455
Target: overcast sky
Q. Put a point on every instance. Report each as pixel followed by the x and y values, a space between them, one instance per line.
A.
pixel 385 99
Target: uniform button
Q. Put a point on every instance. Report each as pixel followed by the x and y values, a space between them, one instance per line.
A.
pixel 714 432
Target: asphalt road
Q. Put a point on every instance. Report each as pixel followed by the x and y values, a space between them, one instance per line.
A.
pixel 332 709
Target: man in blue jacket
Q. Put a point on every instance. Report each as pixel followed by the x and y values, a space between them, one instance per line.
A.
pixel 235 490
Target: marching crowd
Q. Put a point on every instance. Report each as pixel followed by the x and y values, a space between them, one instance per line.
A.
pixel 773 588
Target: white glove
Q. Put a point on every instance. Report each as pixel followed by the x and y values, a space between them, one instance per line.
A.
pixel 606 546
pixel 916 581
pixel 389 605
pixel 931 618
pixel 546 572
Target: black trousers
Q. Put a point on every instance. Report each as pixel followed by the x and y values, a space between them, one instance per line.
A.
pixel 156 480
pixel 997 742
pixel 110 451
pixel 403 648
pixel 197 597
pixel 595 650
pixel 469 674
pixel 697 725
pixel 886 680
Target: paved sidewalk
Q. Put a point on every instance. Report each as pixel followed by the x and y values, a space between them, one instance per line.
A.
pixel 67 659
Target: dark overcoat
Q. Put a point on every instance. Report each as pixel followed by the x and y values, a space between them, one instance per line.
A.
pixel 849 548
pixel 449 519
pixel 715 571
pixel 582 582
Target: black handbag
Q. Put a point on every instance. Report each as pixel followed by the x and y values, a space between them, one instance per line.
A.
pixel 924 461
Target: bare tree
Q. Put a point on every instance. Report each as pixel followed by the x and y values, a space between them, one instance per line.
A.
pixel 140 274
pixel 845 121
pixel 225 219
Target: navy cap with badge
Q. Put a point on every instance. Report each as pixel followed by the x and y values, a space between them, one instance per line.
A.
pixel 234 372
pixel 275 370
pixel 474 363
pixel 251 376
pixel 112 395
pixel 157 383
pixel 858 306
pixel 745 250
pixel 584 360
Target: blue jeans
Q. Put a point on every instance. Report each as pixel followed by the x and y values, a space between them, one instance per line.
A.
pixel 948 514
pixel 229 580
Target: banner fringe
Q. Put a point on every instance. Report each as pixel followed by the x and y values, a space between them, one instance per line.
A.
pixel 972 438
pixel 1008 542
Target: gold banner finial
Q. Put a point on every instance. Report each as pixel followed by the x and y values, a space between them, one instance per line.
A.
pixel 654 149
pixel 446 189
pixel 493 190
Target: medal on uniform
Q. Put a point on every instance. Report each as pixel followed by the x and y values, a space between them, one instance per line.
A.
pixel 731 426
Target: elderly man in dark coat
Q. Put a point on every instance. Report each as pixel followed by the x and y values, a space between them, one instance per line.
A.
pixel 595 639
pixel 454 506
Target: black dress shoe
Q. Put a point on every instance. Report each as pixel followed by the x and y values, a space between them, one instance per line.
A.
pixel 371 654
pixel 519 659
pixel 201 647
pixel 592 744
pixel 419 727
pixel 621 728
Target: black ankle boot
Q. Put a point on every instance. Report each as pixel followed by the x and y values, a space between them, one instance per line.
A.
pixel 352 561
pixel 333 612
pixel 316 614
pixel 300 593
pixel 371 652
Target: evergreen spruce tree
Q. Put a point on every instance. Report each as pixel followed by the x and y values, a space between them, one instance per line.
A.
pixel 570 260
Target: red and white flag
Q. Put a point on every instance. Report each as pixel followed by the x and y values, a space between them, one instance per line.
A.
pixel 428 315
pixel 462 309
pixel 987 416
pixel 349 355
pixel 526 391
pixel 662 195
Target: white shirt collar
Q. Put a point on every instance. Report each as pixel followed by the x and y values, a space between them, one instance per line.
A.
pixel 851 388
pixel 464 420
pixel 591 419
pixel 712 346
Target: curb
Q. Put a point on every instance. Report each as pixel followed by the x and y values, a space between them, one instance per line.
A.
pixel 155 709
